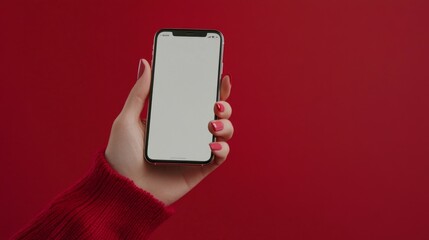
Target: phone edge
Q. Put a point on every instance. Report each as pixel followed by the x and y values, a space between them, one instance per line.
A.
pixel 220 69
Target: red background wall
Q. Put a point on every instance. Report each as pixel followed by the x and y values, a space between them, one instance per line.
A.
pixel 330 108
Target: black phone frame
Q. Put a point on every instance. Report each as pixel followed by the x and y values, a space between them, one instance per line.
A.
pixel 187 33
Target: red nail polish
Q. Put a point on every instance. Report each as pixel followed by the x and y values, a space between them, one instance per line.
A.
pixel 214 146
pixel 220 107
pixel 217 125
pixel 140 70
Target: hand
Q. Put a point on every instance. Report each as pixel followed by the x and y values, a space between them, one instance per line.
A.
pixel 126 145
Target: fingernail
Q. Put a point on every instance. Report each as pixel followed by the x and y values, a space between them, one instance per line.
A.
pixel 140 70
pixel 214 146
pixel 217 125
pixel 220 107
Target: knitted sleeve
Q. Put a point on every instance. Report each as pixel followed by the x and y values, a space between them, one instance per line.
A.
pixel 103 205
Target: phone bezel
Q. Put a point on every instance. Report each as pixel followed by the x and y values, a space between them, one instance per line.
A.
pixel 181 32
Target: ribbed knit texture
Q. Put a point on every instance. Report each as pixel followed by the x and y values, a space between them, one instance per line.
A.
pixel 103 205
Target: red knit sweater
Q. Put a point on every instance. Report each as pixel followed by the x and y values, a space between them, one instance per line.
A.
pixel 103 205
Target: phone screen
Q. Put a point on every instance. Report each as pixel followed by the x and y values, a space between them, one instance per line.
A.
pixel 185 86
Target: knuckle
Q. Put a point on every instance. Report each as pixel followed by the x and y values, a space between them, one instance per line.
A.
pixel 227 122
pixel 120 121
pixel 226 147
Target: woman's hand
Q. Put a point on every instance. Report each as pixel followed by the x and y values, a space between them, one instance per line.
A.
pixel 126 145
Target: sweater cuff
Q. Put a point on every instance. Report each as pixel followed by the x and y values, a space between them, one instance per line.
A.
pixel 111 206
pixel 119 204
pixel 103 205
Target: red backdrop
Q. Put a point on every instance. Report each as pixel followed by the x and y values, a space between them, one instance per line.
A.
pixel 330 108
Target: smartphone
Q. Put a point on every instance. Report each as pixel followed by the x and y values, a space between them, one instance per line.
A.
pixel 186 72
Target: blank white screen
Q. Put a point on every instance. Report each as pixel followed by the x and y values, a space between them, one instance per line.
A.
pixel 183 95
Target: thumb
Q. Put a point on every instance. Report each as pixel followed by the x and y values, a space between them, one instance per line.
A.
pixel 137 97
